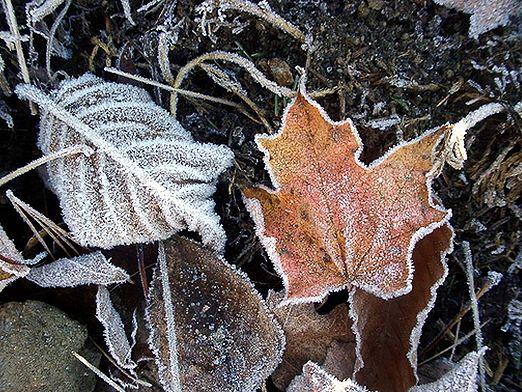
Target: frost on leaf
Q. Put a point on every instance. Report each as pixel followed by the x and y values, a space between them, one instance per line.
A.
pixel 388 332
pixel 310 336
pixel 91 268
pixel 147 178
pixel 316 379
pixel 462 378
pixel 209 329
pixel 332 221
pixel 113 330
pixel 11 261
pixel 485 14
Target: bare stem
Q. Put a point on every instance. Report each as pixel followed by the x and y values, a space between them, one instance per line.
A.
pixel 78 149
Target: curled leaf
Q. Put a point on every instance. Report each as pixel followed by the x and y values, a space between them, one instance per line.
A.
pixel 113 330
pixel 462 378
pixel 388 331
pixel 147 177
pixel 209 329
pixel 333 221
pixel 309 335
pixel 91 268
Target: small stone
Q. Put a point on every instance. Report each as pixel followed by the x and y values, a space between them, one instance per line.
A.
pixel 36 345
pixel 281 71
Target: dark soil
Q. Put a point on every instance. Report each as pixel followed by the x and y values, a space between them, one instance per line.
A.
pixel 361 48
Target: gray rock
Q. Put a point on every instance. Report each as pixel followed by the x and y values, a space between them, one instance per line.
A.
pixel 36 345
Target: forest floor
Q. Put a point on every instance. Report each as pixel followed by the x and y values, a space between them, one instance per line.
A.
pixel 396 68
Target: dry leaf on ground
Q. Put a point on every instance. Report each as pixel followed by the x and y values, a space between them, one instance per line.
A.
pixel 309 336
pixel 333 221
pixel 388 331
pixel 210 330
pixel 147 177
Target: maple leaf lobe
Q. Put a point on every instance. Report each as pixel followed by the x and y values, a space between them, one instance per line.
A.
pixel 333 221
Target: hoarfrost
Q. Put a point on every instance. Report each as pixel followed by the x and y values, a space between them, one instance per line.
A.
pixel 113 330
pixel 462 378
pixel 316 379
pixel 92 268
pixel 210 330
pixel 147 178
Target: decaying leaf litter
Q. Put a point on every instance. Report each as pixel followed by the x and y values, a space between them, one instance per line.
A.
pixel 426 73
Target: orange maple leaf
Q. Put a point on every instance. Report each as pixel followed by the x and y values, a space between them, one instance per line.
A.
pixel 333 221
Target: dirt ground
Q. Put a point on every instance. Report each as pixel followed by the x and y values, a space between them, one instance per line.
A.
pixel 410 61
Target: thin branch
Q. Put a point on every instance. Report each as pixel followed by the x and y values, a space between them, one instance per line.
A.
pixel 78 149
pixel 13 27
pixel 98 372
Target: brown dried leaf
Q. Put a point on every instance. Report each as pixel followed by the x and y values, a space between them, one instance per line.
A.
pixel 308 335
pixel 388 332
pixel 333 221
pixel 210 330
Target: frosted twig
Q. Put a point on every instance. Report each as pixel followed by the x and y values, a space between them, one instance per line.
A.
pixel 127 11
pixel 50 40
pixel 225 81
pixel 468 259
pixel 13 27
pixel 98 372
pixel 249 66
pixel 149 5
pixel 163 57
pixel 187 93
pixel 78 149
pixel 264 13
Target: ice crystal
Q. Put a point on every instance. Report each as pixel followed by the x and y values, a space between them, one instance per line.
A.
pixel 92 268
pixel 147 178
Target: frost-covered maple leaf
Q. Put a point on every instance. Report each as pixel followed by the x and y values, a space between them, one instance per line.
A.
pixel 485 14
pixel 333 221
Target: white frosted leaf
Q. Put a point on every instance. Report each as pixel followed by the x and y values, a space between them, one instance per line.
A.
pixel 9 272
pixel 209 329
pixel 92 268
pixel 147 178
pixel 113 330
pixel 462 378
pixel 316 379
pixel 486 15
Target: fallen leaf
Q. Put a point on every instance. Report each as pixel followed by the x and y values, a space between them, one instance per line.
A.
pixel 91 268
pixel 333 221
pixel 11 261
pixel 309 335
pixel 316 379
pixel 486 15
pixel 462 378
pixel 209 329
pixel 388 331
pixel 147 178
pixel 114 331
